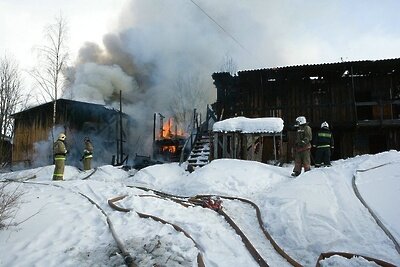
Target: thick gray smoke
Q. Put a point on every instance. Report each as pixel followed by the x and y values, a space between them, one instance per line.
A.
pixel 158 47
pixel 158 42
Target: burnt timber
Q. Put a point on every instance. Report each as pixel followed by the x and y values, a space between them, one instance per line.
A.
pixel 77 119
pixel 359 99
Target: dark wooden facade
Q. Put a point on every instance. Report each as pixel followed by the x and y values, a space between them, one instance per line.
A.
pixel 5 150
pixel 33 138
pixel 360 100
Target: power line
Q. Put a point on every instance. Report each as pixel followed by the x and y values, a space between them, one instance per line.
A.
pixel 222 28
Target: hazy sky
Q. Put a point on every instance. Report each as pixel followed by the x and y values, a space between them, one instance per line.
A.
pixel 161 53
pixel 22 23
pixel 256 33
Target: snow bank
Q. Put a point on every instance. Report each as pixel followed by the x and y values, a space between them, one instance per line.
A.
pixel 247 125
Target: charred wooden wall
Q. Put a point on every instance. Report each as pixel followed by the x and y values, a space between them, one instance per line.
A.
pixel 29 128
pixel 5 151
pixel 360 100
pixel 76 119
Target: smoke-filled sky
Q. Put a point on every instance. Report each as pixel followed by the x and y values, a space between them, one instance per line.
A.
pixel 147 48
pixel 268 33
pixel 178 35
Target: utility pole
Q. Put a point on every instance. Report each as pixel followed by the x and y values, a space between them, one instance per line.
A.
pixel 121 130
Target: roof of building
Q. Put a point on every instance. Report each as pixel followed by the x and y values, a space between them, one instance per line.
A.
pixel 332 64
pixel 66 101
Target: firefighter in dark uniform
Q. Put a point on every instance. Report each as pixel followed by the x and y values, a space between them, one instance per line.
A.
pixel 323 144
pixel 87 154
pixel 60 153
pixel 302 147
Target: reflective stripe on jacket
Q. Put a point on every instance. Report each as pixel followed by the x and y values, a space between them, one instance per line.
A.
pixel 88 156
pixel 88 151
pixel 324 139
pixel 59 157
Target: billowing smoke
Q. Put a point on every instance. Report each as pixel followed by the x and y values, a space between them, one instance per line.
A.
pixel 150 54
pixel 160 44
pixel 99 83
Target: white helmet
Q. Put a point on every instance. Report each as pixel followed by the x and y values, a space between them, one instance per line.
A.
pixel 301 120
pixel 61 136
pixel 325 125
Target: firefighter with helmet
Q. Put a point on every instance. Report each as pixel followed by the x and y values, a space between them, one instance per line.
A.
pixel 60 153
pixel 87 154
pixel 323 144
pixel 302 158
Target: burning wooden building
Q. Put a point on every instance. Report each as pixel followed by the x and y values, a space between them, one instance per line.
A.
pixel 168 139
pixel 106 127
pixel 360 100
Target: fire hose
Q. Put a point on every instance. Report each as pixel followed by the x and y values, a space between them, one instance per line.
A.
pixel 111 203
pixel 197 200
pixel 180 199
pixel 125 254
pixel 378 221
pixel 261 224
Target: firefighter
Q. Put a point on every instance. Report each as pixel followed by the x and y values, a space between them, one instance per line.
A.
pixel 323 144
pixel 302 146
pixel 87 154
pixel 60 153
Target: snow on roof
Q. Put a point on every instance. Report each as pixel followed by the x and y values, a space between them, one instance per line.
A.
pixel 247 125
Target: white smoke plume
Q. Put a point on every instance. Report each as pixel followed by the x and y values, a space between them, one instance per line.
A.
pixel 158 41
pixel 144 59
pixel 99 83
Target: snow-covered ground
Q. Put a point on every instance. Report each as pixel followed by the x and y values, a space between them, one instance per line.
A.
pixel 56 225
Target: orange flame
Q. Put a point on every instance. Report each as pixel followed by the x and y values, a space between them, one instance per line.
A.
pixel 171 149
pixel 170 130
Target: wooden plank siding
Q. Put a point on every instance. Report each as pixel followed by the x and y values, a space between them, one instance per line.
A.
pixel 76 119
pixel 359 99
pixel 29 128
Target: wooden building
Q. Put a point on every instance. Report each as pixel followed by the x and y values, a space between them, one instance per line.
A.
pixel 256 139
pixel 360 100
pixel 33 132
pixel 5 150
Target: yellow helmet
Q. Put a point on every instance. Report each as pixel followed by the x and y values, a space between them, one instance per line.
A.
pixel 61 136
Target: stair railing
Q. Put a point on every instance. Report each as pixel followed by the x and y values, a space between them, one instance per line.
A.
pixel 198 131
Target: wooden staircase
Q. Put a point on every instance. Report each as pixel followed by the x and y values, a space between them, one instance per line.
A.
pixel 199 156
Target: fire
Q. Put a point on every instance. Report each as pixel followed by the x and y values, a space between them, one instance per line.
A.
pixel 170 139
pixel 171 130
pixel 171 149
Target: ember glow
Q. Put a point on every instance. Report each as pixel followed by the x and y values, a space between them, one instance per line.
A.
pixel 171 130
pixel 171 149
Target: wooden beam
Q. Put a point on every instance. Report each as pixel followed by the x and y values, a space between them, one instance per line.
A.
pixel 215 145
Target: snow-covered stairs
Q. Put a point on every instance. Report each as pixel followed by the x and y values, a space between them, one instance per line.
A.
pixel 199 156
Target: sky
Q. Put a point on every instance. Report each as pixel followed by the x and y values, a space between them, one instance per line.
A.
pixel 161 53
pixel 56 224
pixel 254 33
pixel 24 22
pixel 333 29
